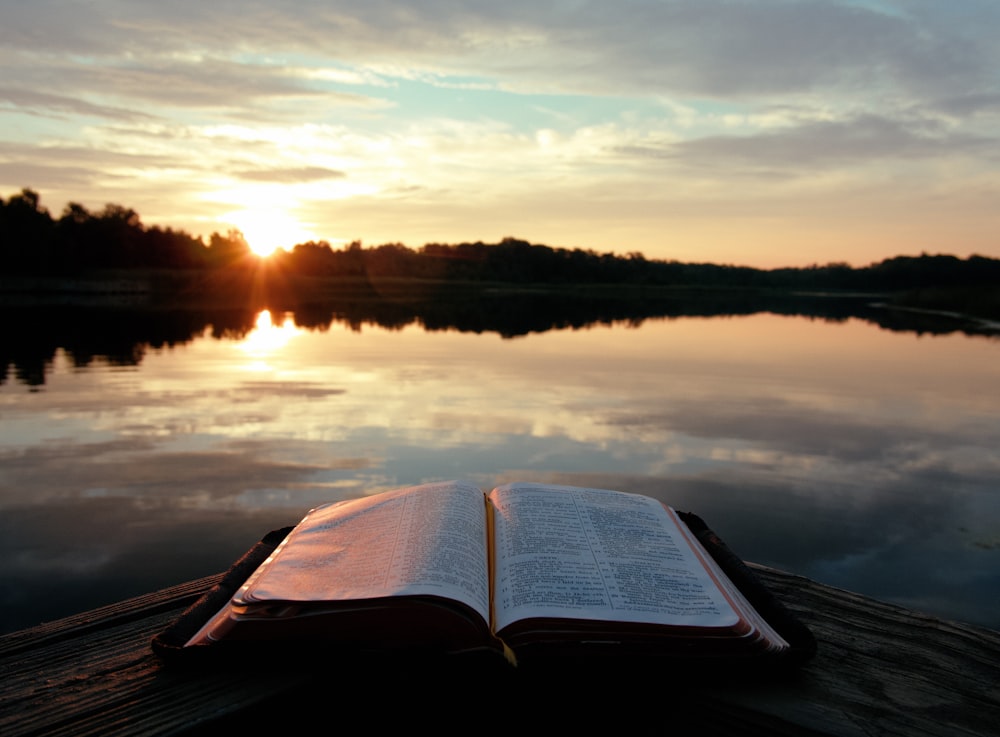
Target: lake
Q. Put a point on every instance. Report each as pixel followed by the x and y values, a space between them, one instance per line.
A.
pixel 142 448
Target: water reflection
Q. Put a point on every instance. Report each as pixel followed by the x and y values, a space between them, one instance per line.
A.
pixel 32 336
pixel 834 448
pixel 267 340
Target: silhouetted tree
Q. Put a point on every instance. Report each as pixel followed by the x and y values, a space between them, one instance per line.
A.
pixel 26 234
pixel 230 250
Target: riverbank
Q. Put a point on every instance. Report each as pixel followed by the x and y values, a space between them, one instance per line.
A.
pixel 237 287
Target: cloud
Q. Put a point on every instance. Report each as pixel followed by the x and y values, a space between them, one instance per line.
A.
pixel 803 147
pixel 709 47
pixel 208 82
pixel 301 174
pixel 61 105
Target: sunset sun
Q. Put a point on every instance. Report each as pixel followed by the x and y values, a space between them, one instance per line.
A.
pixel 266 231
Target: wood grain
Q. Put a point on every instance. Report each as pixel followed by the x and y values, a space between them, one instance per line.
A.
pixel 879 670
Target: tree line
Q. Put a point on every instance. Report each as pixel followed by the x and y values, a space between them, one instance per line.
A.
pixel 80 242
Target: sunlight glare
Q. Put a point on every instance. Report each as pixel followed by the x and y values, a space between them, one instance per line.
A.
pixel 267 230
pixel 267 339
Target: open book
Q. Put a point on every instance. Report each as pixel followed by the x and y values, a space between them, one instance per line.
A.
pixel 524 570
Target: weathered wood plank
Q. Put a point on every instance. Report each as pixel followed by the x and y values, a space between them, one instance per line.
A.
pixel 880 670
pixel 885 669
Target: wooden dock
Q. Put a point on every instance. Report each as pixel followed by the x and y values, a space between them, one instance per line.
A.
pixel 879 670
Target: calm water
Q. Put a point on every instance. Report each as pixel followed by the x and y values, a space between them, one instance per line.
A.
pixel 857 455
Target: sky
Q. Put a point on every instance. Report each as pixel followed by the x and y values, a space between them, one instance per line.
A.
pixel 765 133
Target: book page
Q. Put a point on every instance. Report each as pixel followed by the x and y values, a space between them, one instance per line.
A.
pixel 422 540
pixel 579 553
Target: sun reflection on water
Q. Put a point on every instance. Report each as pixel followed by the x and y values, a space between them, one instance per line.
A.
pixel 267 339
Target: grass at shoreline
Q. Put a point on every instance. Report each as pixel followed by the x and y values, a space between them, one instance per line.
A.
pixel 182 290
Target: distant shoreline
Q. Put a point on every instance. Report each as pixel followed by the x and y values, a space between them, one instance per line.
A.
pixel 179 290
pixel 985 323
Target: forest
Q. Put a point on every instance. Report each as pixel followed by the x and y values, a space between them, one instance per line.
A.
pixel 80 243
